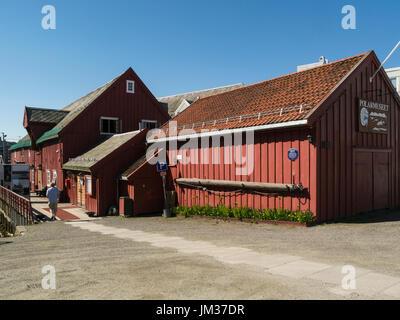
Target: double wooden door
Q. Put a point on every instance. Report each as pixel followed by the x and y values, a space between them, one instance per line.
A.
pixel 371 178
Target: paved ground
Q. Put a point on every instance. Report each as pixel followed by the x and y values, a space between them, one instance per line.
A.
pixel 154 258
pixel 66 211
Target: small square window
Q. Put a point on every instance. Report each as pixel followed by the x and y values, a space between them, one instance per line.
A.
pixel 110 125
pixel 130 86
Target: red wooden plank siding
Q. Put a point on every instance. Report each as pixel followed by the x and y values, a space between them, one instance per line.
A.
pixel 339 126
pixel 271 164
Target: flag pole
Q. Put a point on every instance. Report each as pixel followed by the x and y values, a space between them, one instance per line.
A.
pixel 384 61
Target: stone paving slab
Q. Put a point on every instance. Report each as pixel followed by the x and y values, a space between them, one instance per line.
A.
pixel 393 291
pixel 373 283
pixel 334 275
pixel 199 247
pixel 270 261
pixel 368 283
pixel 298 269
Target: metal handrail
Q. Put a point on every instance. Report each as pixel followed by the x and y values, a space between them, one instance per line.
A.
pixel 16 207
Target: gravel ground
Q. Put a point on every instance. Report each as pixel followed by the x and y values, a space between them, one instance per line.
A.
pixel 95 266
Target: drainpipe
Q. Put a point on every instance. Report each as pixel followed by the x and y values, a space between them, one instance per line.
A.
pixel 117 195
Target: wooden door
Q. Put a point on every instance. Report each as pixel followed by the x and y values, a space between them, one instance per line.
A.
pixel 372 184
pixel 381 180
pixel 148 196
pixel 39 179
pixel 363 182
pixel 81 194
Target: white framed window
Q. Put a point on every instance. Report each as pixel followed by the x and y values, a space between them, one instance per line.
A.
pixel 149 124
pixel 48 178
pixel 54 176
pixel 130 86
pixel 88 185
pixel 110 125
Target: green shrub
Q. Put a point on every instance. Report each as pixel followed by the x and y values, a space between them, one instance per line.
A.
pixel 246 213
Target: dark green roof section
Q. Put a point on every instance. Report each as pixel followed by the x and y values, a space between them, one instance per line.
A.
pixel 21 145
pixel 49 135
pixel 45 115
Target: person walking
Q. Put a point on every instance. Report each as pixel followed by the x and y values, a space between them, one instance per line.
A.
pixel 53 195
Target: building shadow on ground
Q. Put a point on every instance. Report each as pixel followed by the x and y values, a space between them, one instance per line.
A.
pixel 5 242
pixel 391 215
pixel 146 215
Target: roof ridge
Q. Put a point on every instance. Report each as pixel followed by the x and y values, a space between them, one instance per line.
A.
pixel 45 109
pixel 199 91
pixel 102 86
pixel 287 75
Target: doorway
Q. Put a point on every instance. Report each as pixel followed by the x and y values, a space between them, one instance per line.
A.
pixel 39 179
pixel 371 180
pixel 81 194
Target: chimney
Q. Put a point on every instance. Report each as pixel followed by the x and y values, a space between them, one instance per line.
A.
pixel 322 60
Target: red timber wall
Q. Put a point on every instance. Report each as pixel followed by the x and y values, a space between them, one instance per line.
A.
pixel 70 185
pixel 22 156
pixel 341 191
pixel 145 188
pixel 52 160
pixel 71 190
pixel 37 164
pixel 105 177
pixel 271 164
pixel 108 172
pixel 36 129
pixel 84 131
pixel 26 156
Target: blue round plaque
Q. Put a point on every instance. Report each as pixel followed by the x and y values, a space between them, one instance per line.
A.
pixel 293 154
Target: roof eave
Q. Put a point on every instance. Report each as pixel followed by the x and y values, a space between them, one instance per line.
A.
pixel 288 124
pixel 76 168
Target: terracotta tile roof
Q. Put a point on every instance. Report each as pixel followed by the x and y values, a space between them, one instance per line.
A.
pixel 286 98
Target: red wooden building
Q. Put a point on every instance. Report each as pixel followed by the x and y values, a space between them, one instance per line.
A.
pixel 142 184
pixel 56 136
pixel 344 128
pixel 93 177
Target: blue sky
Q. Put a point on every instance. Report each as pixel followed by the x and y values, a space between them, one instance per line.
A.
pixel 174 46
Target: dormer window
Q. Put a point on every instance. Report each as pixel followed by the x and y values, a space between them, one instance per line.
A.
pixel 130 86
pixel 110 125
